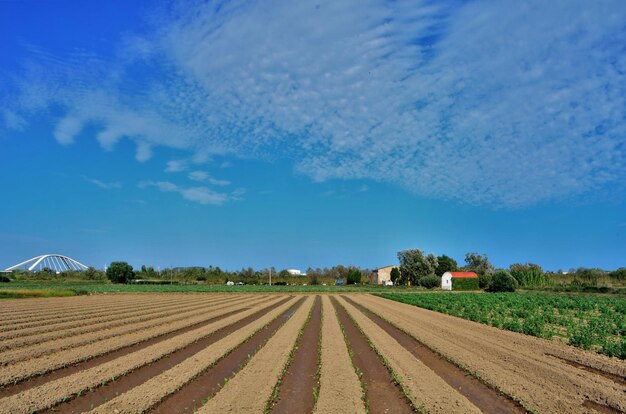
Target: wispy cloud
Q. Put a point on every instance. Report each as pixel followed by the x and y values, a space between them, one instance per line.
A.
pixel 196 194
pixel 102 184
pixel 489 103
pixel 203 176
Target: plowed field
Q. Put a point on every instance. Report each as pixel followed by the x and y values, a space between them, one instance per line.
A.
pixel 284 353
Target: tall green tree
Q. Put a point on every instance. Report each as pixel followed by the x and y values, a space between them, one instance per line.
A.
pixel 120 272
pixel 354 277
pixel 395 275
pixel 482 266
pixel 414 265
pixel 445 264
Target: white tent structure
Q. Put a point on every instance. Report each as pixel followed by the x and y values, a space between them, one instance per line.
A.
pixel 56 262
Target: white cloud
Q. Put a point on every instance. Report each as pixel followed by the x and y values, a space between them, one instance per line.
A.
pixel 197 194
pixel 176 166
pixel 489 103
pixel 102 184
pixel 13 121
pixel 203 176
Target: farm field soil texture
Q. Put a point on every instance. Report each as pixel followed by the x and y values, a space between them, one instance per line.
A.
pixel 289 352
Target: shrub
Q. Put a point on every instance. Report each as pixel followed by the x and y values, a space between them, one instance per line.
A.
pixel 120 272
pixel 354 277
pixel 430 282
pixel 395 275
pixel 484 281
pixel 4 279
pixel 502 281
pixel 465 284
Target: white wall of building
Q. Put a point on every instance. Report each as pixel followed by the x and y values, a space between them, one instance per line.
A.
pixel 446 281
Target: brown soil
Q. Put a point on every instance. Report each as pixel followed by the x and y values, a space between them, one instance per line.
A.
pixel 340 390
pixel 515 363
pixel 600 407
pixel 249 390
pixel 300 380
pixel 49 342
pixel 488 400
pixel 190 397
pixel 43 323
pixel 86 320
pixel 382 395
pixel 59 308
pixel 620 380
pixel 61 360
pixel 55 391
pixel 110 390
pixel 150 393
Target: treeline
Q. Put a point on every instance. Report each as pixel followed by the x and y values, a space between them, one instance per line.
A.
pixel 122 272
pixel 419 269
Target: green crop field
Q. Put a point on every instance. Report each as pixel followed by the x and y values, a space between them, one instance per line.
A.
pixel 86 288
pixel 587 322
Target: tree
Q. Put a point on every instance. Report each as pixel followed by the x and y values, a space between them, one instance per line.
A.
pixel 619 274
pixel 354 277
pixel 430 282
pixel 395 275
pixel 482 266
pixel 414 265
pixel 120 272
pixel 502 281
pixel 92 274
pixel 445 264
pixel 528 274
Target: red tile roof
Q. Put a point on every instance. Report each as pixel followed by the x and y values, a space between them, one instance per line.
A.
pixel 464 275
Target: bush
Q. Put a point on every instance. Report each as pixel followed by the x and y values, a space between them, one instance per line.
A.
pixel 120 272
pixel 4 279
pixel 430 282
pixel 354 277
pixel 465 284
pixel 484 281
pixel 502 281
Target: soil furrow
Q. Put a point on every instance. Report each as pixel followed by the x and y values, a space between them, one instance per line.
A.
pixel 102 350
pixel 44 345
pixel 51 393
pixel 487 399
pixel 620 380
pixel 70 314
pixel 382 394
pixel 177 380
pixel 58 306
pixel 300 380
pixel 102 394
pixel 515 361
pixel 80 321
pixel 340 389
pixel 190 397
pixel 249 390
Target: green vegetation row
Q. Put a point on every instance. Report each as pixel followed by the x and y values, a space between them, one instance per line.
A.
pixel 105 287
pixel 587 322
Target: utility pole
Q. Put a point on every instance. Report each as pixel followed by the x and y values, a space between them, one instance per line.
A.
pixel 270 276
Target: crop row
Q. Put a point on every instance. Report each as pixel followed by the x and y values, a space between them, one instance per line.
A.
pixel 586 322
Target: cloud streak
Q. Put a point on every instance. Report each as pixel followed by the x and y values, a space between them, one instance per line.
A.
pixel 486 103
pixel 102 184
pixel 197 194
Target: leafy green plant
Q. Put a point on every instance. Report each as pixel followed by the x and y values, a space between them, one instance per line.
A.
pixel 587 322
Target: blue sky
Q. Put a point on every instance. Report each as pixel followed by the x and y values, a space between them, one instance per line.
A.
pixel 311 133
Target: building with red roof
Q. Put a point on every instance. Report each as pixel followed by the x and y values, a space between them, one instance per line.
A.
pixel 446 278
